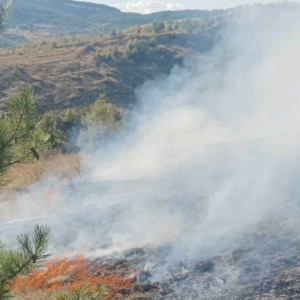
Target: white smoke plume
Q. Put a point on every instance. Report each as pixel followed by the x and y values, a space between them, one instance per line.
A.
pixel 210 154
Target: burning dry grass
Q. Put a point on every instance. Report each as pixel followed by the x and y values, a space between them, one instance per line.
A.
pixel 67 275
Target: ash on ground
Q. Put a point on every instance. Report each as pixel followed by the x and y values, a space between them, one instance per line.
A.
pixel 268 267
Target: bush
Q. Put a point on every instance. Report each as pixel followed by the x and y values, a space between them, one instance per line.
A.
pixel 159 27
pixel 100 121
pixel 49 125
pixel 138 47
pixel 148 29
pixel 83 126
pixel 73 114
pixel 102 112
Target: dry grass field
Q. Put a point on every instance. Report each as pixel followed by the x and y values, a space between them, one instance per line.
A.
pixel 63 166
pixel 73 73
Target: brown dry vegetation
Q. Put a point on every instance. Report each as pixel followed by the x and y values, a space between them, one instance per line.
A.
pixel 75 73
pixel 63 166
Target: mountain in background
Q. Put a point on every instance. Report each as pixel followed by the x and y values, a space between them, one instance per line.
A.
pixel 41 20
pixel 35 21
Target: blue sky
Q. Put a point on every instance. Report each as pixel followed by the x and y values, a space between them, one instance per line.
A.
pixel 147 6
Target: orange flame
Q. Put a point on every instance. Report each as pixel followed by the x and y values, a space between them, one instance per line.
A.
pixel 71 274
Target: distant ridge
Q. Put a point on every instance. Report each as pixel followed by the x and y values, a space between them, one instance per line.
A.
pixel 36 20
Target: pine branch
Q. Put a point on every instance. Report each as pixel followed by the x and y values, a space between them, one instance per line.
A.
pixel 11 107
pixel 18 160
pixel 4 14
pixel 32 250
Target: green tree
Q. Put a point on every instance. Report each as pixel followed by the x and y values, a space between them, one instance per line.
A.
pixel 21 133
pixel 101 120
pixel 4 13
pixel 74 114
pixel 102 112
pixel 49 125
pixel 159 27
pixel 148 29
pixel 31 251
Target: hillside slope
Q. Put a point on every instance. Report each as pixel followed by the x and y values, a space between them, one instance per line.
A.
pixel 39 20
pixel 74 74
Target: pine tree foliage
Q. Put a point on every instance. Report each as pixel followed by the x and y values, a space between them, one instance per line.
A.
pixel 31 251
pixel 21 133
pixel 4 13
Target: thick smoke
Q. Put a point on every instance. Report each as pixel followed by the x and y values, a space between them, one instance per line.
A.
pixel 209 156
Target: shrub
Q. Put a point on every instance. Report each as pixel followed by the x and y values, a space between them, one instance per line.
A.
pixel 159 27
pixel 103 112
pixel 148 29
pixel 73 114
pixel 101 120
pixel 49 125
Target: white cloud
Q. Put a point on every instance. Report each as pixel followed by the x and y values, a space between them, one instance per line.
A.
pixel 150 6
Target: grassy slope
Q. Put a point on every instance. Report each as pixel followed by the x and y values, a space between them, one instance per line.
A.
pixel 74 74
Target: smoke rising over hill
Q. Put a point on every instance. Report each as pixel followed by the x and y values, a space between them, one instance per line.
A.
pixel 208 161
